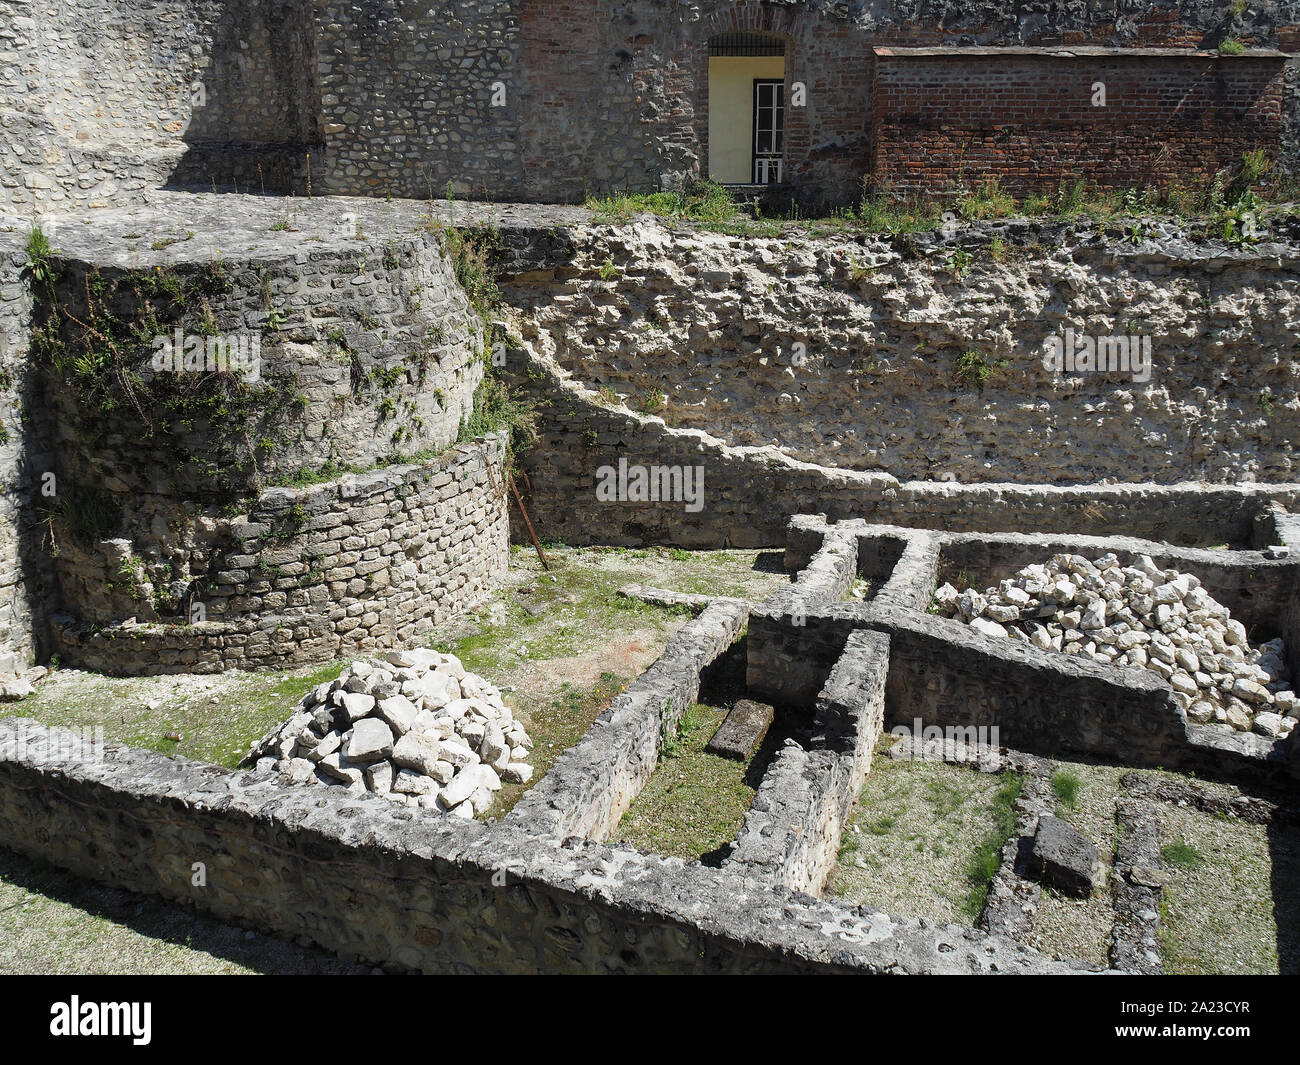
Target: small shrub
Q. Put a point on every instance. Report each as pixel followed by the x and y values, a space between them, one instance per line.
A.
pixel 1065 785
pixel 39 254
pixel 974 369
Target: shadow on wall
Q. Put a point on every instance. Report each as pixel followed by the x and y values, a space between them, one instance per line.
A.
pixel 252 122
pixel 1284 848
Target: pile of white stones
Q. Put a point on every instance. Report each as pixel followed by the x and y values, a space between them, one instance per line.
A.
pixel 415 728
pixel 1140 616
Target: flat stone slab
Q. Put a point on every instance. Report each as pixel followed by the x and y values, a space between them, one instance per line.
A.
pixel 1064 858
pixel 742 730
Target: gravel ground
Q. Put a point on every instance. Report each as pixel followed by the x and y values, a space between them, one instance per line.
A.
pixel 908 845
pixel 1207 929
pixel 1080 928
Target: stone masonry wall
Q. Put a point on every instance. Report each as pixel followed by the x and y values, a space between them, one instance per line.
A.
pixel 25 577
pixel 849 352
pixel 102 100
pixel 548 100
pixel 434 894
pixel 368 346
pixel 524 100
pixel 369 562
pixel 792 832
pixel 592 784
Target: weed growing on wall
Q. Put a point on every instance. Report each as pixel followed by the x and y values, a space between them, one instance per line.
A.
pixel 40 264
pixel 974 369
pixel 101 349
pixel 494 408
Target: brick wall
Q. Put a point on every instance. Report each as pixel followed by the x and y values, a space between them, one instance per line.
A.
pixel 1029 120
pixel 396 97
pixel 374 562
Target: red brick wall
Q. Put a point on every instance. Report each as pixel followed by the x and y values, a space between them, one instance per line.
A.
pixel 941 121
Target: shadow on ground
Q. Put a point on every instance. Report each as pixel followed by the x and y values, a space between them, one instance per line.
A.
pixel 108 930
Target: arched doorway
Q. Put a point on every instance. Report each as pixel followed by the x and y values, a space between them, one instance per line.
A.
pixel 747 108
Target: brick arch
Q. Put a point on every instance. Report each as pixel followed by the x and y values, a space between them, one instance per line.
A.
pixel 751 16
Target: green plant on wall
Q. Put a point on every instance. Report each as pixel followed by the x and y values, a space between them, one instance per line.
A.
pixel 99 344
pixel 40 258
pixel 974 369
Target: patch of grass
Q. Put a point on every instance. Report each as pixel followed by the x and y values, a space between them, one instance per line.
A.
pixel 651 401
pixel 987 859
pixel 216 717
pixel 989 201
pixel 1065 786
pixel 694 802
pixel 705 203
pixel 1181 856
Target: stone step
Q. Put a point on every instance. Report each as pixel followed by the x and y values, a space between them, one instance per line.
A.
pixel 742 730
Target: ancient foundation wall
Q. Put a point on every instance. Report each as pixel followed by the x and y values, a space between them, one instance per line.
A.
pixel 422 892
pixel 367 562
pixel 928 357
pixel 791 834
pixel 592 784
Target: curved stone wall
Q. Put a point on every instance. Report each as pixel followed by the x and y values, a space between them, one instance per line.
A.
pixel 232 440
pixel 368 562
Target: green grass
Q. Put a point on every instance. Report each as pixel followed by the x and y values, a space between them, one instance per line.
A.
pixel 706 203
pixel 1065 786
pixel 987 859
pixel 144 711
pixel 974 369
pixel 693 802
pixel 709 206
pixel 1181 856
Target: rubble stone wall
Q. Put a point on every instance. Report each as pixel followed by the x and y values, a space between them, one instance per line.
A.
pixel 420 892
pixel 368 562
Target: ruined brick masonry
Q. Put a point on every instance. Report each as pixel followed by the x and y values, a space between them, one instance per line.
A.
pixel 549 100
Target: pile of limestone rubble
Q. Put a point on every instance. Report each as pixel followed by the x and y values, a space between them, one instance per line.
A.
pixel 1140 616
pixel 415 728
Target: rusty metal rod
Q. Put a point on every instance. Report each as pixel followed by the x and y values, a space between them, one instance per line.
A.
pixel 528 521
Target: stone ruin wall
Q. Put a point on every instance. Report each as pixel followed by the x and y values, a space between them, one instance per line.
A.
pixel 375 562
pixel 97 105
pixel 713 324
pixel 24 573
pixel 369 351
pixel 391 99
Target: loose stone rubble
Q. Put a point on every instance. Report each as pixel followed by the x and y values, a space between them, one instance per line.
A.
pixel 1140 616
pixel 415 728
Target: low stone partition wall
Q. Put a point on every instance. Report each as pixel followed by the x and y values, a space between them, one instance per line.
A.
pixel 775 676
pixel 946 673
pixel 950 675
pixel 365 563
pixel 580 436
pixel 593 783
pixel 791 835
pixel 912 582
pixel 419 892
